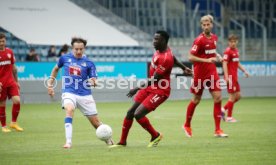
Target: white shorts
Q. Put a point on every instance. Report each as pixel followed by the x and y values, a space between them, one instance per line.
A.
pixel 85 104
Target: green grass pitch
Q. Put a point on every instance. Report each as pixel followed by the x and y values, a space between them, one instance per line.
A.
pixel 252 140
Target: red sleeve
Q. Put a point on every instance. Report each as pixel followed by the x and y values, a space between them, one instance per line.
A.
pixel 163 65
pixel 196 47
pixel 13 60
pixel 227 55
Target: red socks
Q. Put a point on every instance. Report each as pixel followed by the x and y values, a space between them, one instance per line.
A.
pixel 226 106
pixel 217 115
pixel 230 108
pixel 3 116
pixel 144 122
pixel 125 129
pixel 15 111
pixel 189 114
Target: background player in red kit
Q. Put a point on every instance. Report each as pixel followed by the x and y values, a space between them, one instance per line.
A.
pixel 9 86
pixel 231 63
pixel 154 92
pixel 203 55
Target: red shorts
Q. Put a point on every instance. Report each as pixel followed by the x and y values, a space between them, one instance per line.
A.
pixel 149 100
pixel 200 84
pixel 234 87
pixel 9 91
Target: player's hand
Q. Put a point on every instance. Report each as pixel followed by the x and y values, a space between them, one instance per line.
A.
pixel 188 71
pixel 219 57
pixel 51 91
pixel 226 80
pixel 93 82
pixel 212 60
pixel 0 86
pixel 246 74
pixel 132 92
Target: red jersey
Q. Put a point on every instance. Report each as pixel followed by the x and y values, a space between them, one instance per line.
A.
pixel 204 47
pixel 162 64
pixel 6 66
pixel 231 55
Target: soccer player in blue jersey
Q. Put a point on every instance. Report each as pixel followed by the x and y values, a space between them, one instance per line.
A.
pixel 79 74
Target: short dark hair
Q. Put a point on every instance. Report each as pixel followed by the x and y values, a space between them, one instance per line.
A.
pixel 164 34
pixel 79 40
pixel 232 37
pixel 2 35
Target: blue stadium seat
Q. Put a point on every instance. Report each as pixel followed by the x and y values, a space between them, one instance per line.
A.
pixel 14 43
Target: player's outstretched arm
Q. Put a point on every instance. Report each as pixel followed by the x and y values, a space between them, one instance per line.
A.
pixel 186 70
pixel 155 78
pixel 50 82
pixel 243 70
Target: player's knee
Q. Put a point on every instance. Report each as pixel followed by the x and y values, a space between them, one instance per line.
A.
pixel 196 99
pixel 130 114
pixel 16 100
pixel 238 97
pixel 2 103
pixel 138 116
pixel 69 112
pixel 217 99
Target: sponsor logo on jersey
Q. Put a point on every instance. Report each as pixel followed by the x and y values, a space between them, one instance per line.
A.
pixel 211 51
pixel 8 62
pixel 75 70
pixel 235 59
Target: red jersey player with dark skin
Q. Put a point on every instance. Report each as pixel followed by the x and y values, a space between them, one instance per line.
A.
pixel 231 64
pixel 203 56
pixel 154 92
pixel 9 86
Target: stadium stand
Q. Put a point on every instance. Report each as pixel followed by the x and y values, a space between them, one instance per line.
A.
pixel 254 21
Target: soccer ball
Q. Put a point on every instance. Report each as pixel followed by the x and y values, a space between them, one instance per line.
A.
pixel 104 132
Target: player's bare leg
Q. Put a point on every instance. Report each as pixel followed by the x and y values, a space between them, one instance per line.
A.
pixel 95 122
pixel 5 129
pixel 69 110
pixel 189 114
pixel 15 113
pixel 217 113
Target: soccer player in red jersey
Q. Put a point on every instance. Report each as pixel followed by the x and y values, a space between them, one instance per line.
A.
pixel 154 92
pixel 9 86
pixel 203 55
pixel 231 64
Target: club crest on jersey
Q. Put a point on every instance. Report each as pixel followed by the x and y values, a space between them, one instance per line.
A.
pixel 75 70
pixel 9 55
